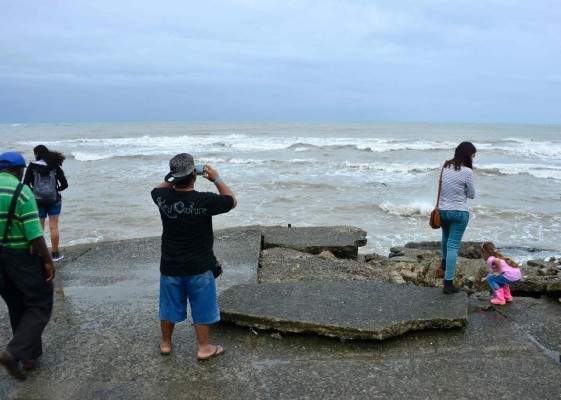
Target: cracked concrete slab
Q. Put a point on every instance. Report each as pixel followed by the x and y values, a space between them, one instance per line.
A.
pixel 353 310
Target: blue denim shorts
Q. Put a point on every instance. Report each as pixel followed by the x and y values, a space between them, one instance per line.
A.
pixel 199 290
pixel 52 210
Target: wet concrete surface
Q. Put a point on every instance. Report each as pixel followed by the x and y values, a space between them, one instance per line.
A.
pixel 355 310
pixel 102 343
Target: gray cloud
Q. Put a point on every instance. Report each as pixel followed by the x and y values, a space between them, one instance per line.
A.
pixel 346 60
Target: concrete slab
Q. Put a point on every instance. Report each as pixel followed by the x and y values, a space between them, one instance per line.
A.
pixel 343 241
pixel 353 310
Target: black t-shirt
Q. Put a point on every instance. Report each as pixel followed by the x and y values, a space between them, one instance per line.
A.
pixel 187 237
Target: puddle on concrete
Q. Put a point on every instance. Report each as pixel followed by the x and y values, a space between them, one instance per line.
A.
pixel 548 352
pixel 124 291
pixel 241 274
pixel 259 366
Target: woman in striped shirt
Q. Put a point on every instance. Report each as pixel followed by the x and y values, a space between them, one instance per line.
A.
pixel 457 186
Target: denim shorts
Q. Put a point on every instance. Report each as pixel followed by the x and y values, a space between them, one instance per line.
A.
pixel 199 290
pixel 52 210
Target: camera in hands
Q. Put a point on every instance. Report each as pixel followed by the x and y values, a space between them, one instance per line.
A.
pixel 199 169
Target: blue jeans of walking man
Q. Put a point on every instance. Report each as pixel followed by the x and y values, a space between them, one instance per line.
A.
pixel 454 224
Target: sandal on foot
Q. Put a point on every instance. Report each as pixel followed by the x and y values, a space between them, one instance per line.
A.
pixel 218 351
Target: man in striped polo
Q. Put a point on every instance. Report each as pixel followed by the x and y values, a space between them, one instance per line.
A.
pixel 26 269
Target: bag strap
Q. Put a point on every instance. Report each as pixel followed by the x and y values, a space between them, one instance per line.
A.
pixel 439 187
pixel 11 213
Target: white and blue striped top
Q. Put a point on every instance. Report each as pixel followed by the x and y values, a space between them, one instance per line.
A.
pixel 457 187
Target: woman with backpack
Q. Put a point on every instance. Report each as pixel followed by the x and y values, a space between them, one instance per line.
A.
pixel 46 178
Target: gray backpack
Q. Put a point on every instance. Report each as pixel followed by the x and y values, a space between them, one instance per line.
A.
pixel 44 187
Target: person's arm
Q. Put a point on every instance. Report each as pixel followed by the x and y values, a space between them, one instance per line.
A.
pixel 40 246
pixel 470 186
pixel 28 178
pixel 497 263
pixel 213 176
pixel 61 178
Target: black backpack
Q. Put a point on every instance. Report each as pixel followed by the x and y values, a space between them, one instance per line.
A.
pixel 44 187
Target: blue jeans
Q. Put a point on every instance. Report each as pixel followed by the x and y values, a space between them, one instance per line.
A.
pixel 498 281
pixel 454 224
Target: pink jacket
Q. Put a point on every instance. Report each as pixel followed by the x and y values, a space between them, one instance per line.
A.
pixel 510 273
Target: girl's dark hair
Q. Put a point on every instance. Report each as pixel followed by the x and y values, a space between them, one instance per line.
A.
pixel 462 156
pixel 53 159
pixel 489 248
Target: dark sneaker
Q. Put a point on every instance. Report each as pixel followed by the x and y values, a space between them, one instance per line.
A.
pixel 56 256
pixel 11 365
pixel 449 287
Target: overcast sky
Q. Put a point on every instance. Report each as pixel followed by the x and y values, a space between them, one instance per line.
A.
pixel 279 60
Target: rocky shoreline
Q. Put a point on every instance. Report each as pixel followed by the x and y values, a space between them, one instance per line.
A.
pixel 413 264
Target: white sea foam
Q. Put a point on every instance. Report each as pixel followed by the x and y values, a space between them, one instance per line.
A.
pixel 85 156
pixel 240 161
pixel 155 144
pixel 391 167
pixel 537 170
pixel 151 145
pixel 382 146
pixel 414 208
pixel 530 147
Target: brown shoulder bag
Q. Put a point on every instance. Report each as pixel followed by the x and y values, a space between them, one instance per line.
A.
pixel 434 220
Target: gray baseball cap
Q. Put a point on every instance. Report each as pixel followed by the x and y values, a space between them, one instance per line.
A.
pixel 180 167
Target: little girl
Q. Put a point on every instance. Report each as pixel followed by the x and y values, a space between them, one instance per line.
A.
pixel 505 273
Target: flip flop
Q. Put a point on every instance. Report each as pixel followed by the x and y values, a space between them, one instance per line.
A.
pixel 218 351
pixel 165 352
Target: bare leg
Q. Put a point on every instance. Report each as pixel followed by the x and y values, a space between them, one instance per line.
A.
pixel 167 331
pixel 42 223
pixel 205 349
pixel 53 226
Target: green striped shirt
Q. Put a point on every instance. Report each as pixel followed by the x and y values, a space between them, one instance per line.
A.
pixel 25 225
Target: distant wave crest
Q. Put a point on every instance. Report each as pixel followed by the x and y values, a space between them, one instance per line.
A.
pixel 416 208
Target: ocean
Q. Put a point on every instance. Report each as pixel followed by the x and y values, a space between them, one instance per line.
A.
pixel 381 177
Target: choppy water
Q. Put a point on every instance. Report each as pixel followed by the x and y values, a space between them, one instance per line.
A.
pixel 380 177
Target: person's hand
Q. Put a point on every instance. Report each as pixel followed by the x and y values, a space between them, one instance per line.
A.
pixel 483 279
pixel 210 173
pixel 49 271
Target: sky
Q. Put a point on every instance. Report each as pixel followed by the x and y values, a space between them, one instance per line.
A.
pixel 484 61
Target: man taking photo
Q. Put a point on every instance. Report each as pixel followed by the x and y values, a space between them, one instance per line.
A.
pixel 187 251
